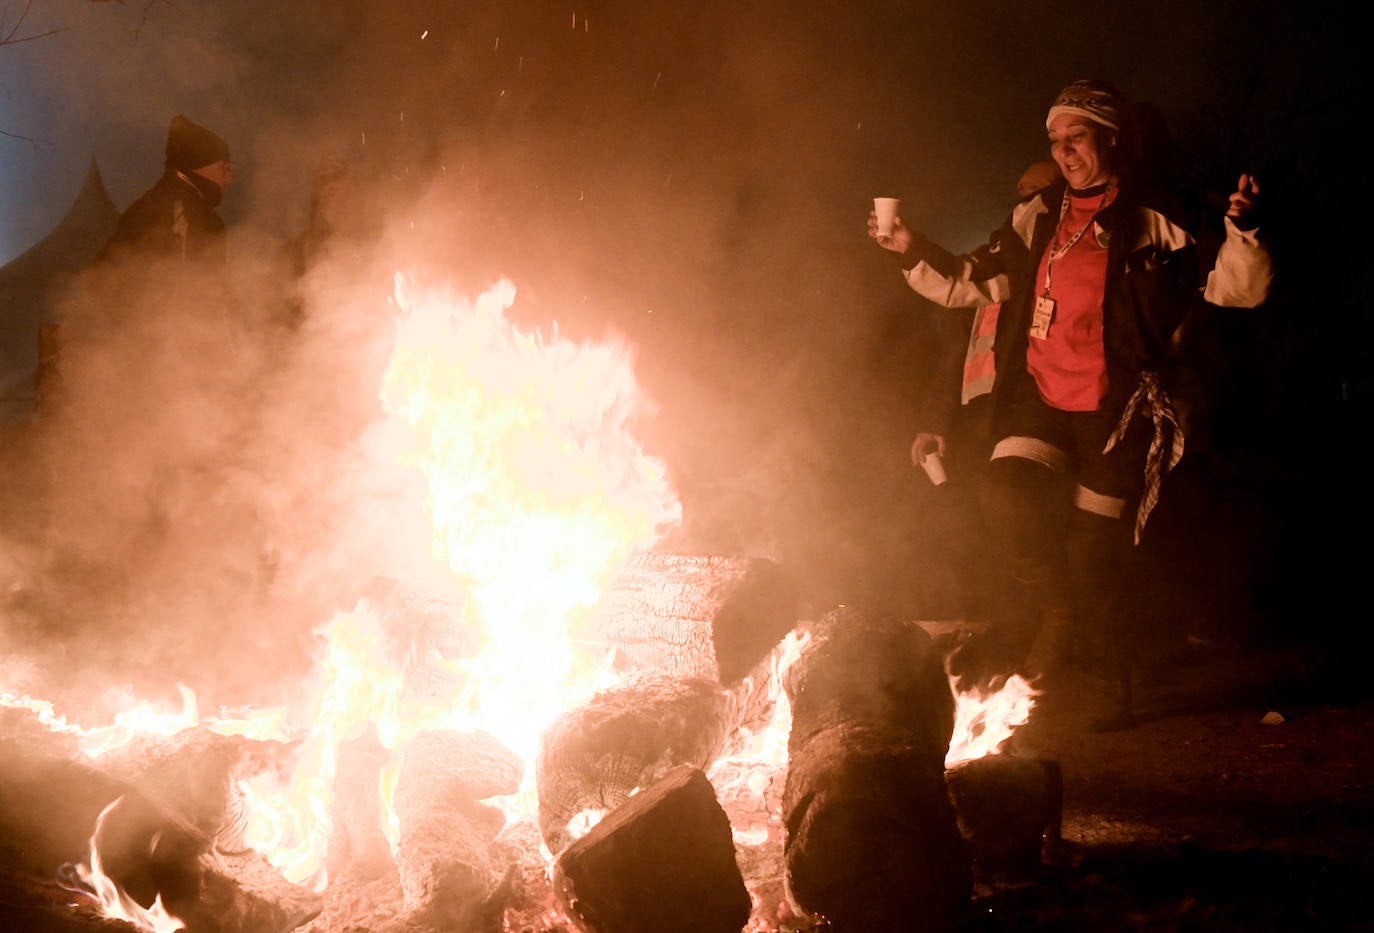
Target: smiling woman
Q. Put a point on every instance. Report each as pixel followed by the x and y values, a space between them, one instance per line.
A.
pixel 1095 278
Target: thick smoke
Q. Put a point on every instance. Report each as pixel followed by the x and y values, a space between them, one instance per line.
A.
pixel 208 493
pixel 693 180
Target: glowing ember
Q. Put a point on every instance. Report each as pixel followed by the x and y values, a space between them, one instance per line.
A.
pixel 583 821
pixel 91 882
pixel 984 720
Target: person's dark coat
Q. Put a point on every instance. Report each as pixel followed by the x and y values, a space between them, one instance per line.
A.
pixel 175 219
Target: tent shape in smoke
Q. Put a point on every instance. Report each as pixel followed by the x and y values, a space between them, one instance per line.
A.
pixel 30 281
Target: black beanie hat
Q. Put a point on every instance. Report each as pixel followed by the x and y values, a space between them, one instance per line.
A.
pixel 191 146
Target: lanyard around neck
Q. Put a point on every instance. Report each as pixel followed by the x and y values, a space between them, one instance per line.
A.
pixel 1064 212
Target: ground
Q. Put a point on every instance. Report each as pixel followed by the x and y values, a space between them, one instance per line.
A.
pixel 1242 798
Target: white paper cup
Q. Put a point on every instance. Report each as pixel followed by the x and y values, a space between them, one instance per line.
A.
pixel 886 211
pixel 934 468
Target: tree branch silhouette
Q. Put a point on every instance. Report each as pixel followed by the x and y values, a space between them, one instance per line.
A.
pixel 14 34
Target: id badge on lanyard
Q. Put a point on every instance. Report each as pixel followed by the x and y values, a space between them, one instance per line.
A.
pixel 1043 314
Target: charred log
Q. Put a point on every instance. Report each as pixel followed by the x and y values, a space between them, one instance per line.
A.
pixel 1009 809
pixel 627 737
pixel 49 808
pixel 36 904
pixel 527 894
pixel 244 893
pixel 194 773
pixel 861 669
pixel 713 618
pixel 357 842
pixel 662 862
pixel 355 905
pixel 444 858
pixel 871 839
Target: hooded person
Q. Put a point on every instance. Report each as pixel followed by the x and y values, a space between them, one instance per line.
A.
pixel 171 237
pixel 155 370
pixel 169 252
pixel 176 217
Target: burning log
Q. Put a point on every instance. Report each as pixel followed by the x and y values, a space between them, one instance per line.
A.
pixel 713 618
pixel 444 854
pixel 37 904
pixel 357 843
pixel 193 772
pixel 243 893
pixel 49 807
pixel 663 861
pixel 627 737
pixel 529 896
pixel 872 841
pixel 1009 809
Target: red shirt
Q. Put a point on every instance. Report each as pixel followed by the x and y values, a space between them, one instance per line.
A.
pixel 1069 363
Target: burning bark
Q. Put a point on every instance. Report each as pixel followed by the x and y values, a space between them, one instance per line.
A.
pixel 872 841
pixel 159 840
pixel 627 737
pixel 662 862
pixel 358 846
pixel 194 772
pixel 444 858
pixel 696 633
pixel 713 618
pixel 243 893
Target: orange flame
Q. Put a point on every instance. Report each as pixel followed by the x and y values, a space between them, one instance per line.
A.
pixel 536 492
pixel 136 720
pixel 112 901
pixel 985 719
pixel 746 774
pixel 537 489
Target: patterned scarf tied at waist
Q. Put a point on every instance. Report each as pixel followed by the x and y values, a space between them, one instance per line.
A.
pixel 1151 401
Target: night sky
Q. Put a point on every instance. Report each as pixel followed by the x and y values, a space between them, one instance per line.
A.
pixel 697 177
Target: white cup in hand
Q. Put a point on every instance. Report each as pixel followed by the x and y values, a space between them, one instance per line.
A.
pixel 886 211
pixel 934 467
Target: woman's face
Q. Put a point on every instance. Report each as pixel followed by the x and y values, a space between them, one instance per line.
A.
pixel 1082 148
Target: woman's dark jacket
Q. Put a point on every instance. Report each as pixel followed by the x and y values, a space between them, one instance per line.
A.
pixel 1155 276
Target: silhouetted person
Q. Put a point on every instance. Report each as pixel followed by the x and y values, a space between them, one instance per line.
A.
pixel 176 218
pixel 169 246
pixel 154 377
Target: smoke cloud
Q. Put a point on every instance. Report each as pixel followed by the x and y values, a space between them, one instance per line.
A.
pixel 694 181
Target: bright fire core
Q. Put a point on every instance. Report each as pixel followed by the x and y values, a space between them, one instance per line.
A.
pixel 536 491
